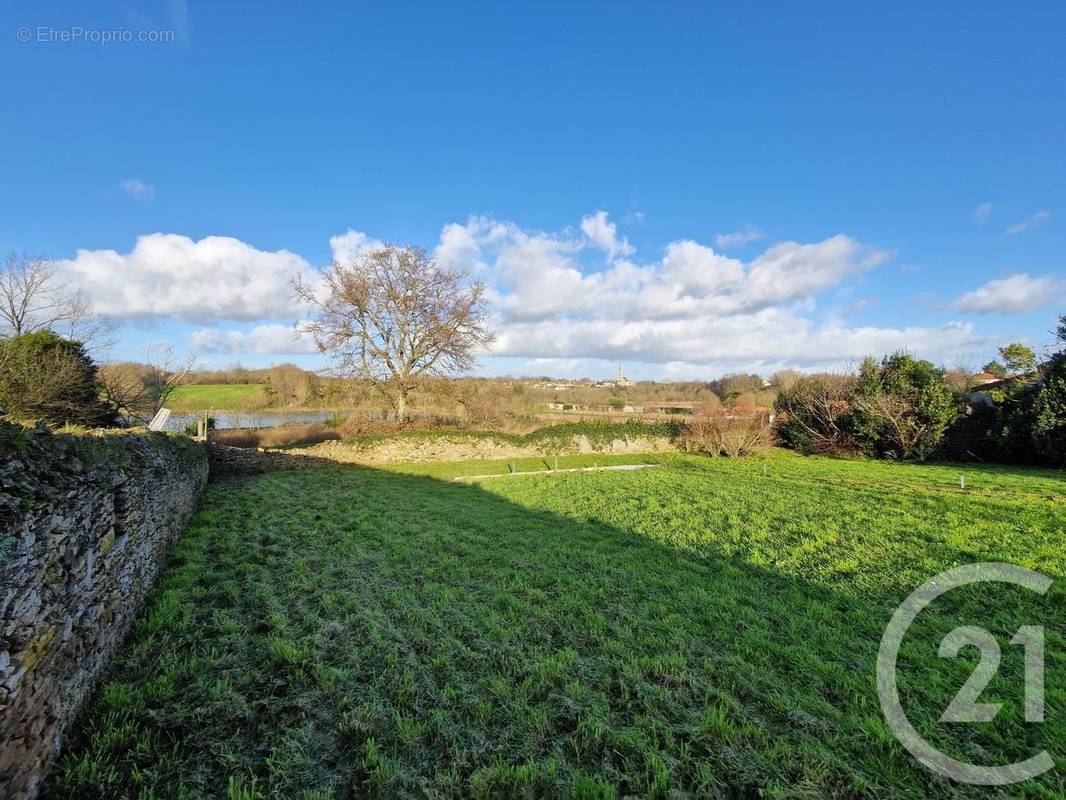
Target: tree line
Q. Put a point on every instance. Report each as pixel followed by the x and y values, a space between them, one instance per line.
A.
pixel 902 407
pixel 396 324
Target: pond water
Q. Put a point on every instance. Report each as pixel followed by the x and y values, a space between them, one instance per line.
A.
pixel 260 419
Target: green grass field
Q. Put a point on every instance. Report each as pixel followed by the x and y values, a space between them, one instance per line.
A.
pixel 708 628
pixel 219 396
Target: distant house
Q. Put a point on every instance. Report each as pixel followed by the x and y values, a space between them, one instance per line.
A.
pixel 984 378
pixel 984 392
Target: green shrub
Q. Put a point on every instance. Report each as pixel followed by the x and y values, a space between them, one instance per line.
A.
pixel 903 406
pixel 976 434
pixel 1048 431
pixel 897 408
pixel 599 433
pixel 46 377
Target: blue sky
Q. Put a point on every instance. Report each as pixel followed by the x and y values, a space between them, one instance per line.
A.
pixel 780 185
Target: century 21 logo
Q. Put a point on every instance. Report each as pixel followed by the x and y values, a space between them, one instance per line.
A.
pixel 965 708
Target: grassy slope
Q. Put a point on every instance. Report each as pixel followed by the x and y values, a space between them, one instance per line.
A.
pixel 707 627
pixel 221 396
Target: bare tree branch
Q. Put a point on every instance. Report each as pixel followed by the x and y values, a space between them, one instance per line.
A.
pixel 164 372
pixel 138 391
pixel 32 299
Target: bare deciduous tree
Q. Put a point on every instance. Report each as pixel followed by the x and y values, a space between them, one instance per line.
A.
pixel 165 371
pixel 140 390
pixel 784 379
pixel 33 299
pixel 394 318
pixel 817 406
pixel 717 432
pixel 123 387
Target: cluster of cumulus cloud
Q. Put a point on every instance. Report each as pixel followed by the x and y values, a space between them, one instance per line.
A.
pixel 556 297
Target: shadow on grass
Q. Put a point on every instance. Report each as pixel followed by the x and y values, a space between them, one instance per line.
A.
pixel 348 632
pixel 228 460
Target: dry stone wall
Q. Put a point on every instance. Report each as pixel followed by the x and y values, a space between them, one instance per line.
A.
pixel 85 524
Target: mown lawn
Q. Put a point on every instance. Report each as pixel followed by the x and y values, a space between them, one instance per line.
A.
pixel 708 628
pixel 216 396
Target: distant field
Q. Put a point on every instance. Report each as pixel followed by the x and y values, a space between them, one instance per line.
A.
pixel 220 397
pixel 705 629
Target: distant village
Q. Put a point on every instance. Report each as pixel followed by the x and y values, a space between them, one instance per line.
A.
pixel 620 382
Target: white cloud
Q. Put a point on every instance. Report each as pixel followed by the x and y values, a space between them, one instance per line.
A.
pixel 137 189
pixel 458 250
pixel 746 235
pixel 270 338
pixel 769 337
pixel 552 296
pixel 603 235
pixel 1014 294
pixel 791 271
pixel 351 244
pixel 1039 218
pixel 981 213
pixel 537 275
pixel 695 308
pixel 167 275
pixel 560 367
